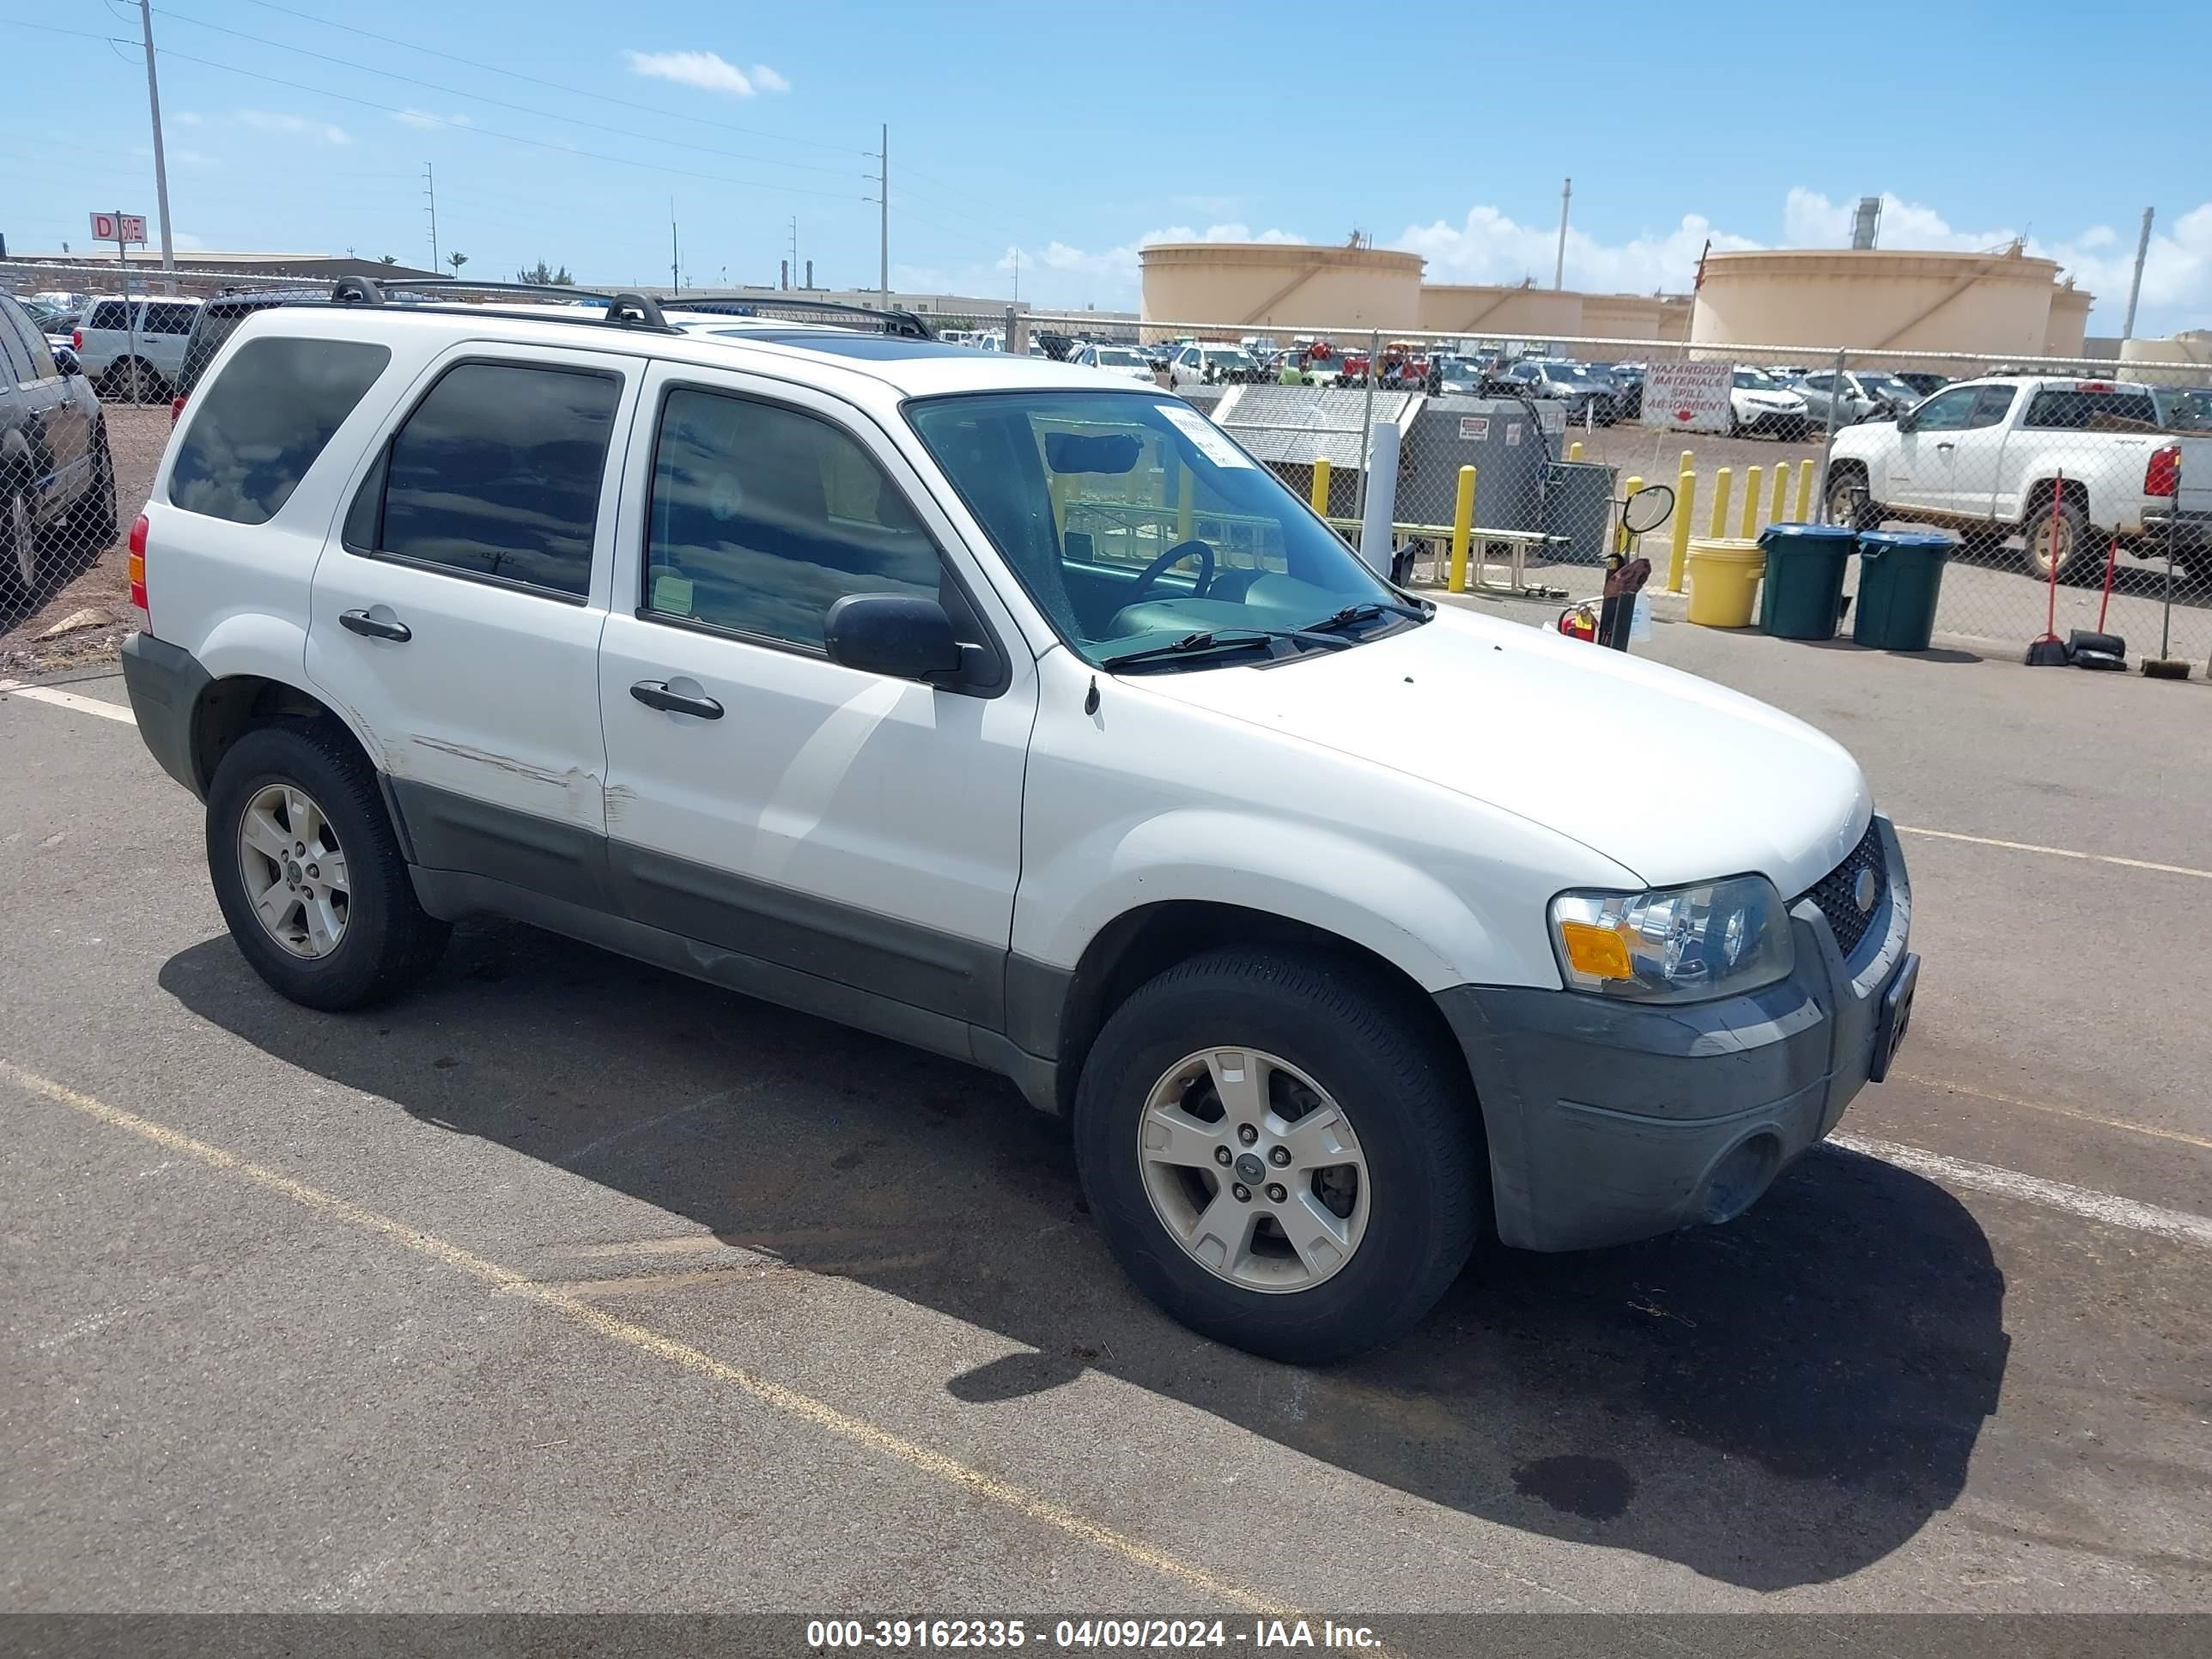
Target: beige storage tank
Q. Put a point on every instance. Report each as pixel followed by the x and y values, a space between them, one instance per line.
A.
pixel 2194 346
pixel 1520 312
pixel 1280 285
pixel 1876 299
pixel 2070 321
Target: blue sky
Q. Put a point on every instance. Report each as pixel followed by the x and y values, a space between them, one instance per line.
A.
pixel 1076 134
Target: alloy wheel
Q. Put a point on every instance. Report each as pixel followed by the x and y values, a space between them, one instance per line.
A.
pixel 295 870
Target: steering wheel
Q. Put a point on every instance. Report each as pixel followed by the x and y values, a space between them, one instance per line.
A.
pixel 1182 550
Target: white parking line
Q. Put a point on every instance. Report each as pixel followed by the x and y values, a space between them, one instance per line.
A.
pixel 2057 851
pixel 2107 1207
pixel 60 699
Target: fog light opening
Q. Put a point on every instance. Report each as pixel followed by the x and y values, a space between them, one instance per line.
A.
pixel 1740 1178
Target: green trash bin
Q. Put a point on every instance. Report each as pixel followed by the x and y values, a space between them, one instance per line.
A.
pixel 1900 579
pixel 1803 595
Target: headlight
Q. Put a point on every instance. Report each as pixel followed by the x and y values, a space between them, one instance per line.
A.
pixel 1674 945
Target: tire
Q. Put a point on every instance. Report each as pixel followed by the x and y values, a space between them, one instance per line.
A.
pixel 94 515
pixel 385 941
pixel 2075 536
pixel 115 386
pixel 1412 1215
pixel 19 545
pixel 1845 506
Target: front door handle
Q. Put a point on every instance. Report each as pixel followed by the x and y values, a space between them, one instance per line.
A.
pixel 359 622
pixel 1947 445
pixel 655 694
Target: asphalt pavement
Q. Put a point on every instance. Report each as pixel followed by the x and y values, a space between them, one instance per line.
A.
pixel 565 1284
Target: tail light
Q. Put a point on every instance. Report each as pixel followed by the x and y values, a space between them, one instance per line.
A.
pixel 2163 473
pixel 176 409
pixel 76 339
pixel 137 568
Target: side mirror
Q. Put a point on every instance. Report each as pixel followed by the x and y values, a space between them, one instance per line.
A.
pixel 907 638
pixel 1906 423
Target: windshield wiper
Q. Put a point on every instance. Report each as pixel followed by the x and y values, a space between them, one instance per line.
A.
pixel 1226 639
pixel 1353 615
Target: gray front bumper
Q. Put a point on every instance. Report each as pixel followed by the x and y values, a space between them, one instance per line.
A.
pixel 1609 1121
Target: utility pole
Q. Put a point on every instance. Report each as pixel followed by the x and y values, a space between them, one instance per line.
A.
pixel 161 163
pixel 2135 287
pixel 1559 263
pixel 675 281
pixel 430 189
pixel 884 233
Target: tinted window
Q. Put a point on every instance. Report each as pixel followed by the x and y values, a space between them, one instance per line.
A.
pixel 1948 411
pixel 168 319
pixel 255 433
pixel 11 351
pixel 762 518
pixel 108 313
pixel 497 473
pixel 35 344
pixel 1991 404
pixel 2074 411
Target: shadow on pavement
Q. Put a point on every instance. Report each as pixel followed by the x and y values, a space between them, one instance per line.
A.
pixel 1777 1402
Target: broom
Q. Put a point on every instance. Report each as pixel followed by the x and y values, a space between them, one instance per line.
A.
pixel 2050 651
pixel 2163 667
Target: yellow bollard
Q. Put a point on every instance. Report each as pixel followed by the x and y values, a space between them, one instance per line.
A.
pixel 1620 536
pixel 1321 485
pixel 1575 450
pixel 1781 512
pixel 1462 529
pixel 1751 482
pixel 1804 492
pixel 1689 463
pixel 1678 557
pixel 1719 525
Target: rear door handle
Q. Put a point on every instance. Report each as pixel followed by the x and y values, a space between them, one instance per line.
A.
pixel 655 694
pixel 359 622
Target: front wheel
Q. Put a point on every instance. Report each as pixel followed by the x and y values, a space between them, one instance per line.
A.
pixel 1280 1154
pixel 1850 501
pixel 19 545
pixel 309 871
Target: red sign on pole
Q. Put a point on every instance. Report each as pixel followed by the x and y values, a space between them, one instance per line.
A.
pixel 126 227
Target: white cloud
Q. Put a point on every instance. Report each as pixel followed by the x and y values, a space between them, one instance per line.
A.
pixel 423 118
pixel 294 126
pixel 187 118
pixel 1487 246
pixel 707 71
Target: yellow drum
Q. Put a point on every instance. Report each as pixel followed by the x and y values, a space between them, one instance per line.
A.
pixel 1724 576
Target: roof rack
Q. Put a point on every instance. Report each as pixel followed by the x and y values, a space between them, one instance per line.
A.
pixel 905 324
pixel 623 309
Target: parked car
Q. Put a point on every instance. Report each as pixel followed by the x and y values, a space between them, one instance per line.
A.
pixel 111 329
pixel 1208 362
pixel 1126 361
pixel 1986 458
pixel 1588 400
pixel 1860 395
pixel 1325 992
pixel 55 476
pixel 2183 408
pixel 1761 405
pixel 1627 380
pixel 1923 382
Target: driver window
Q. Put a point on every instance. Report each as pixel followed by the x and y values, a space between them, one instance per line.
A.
pixel 1948 411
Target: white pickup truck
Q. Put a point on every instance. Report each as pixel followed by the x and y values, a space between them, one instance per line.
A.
pixel 2007 455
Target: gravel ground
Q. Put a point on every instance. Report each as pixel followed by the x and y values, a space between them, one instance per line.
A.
pixel 80 578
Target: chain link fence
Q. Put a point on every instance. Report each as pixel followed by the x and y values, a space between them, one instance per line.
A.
pixel 2095 468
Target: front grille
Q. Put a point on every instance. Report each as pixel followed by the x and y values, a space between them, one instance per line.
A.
pixel 1833 891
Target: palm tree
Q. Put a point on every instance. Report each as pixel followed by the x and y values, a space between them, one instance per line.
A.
pixel 457 259
pixel 387 259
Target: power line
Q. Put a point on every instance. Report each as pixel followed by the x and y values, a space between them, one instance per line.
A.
pixel 496 103
pixel 557 86
pixel 504 137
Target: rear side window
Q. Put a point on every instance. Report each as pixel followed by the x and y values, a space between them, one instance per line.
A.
pixel 256 431
pixel 496 473
pixel 169 319
pixel 2070 410
pixel 108 313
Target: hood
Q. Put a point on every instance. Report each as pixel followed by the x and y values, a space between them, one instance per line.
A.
pixel 1673 777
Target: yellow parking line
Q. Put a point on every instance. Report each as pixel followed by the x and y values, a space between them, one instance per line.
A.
pixel 2058 852
pixel 913 1454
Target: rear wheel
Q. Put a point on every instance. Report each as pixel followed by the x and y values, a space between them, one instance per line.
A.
pixel 2062 526
pixel 1849 503
pixel 309 871
pixel 1279 1154
pixel 94 513
pixel 19 545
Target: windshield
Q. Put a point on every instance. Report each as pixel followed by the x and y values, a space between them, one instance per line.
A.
pixel 1752 379
pixel 1228 357
pixel 1887 385
pixel 1119 357
pixel 1085 494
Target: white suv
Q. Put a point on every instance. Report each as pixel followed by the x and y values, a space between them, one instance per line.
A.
pixel 135 342
pixel 979 702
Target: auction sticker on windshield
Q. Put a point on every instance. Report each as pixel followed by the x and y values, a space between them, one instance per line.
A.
pixel 1207 436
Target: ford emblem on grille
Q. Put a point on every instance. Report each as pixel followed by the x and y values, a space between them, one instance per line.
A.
pixel 1863 892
